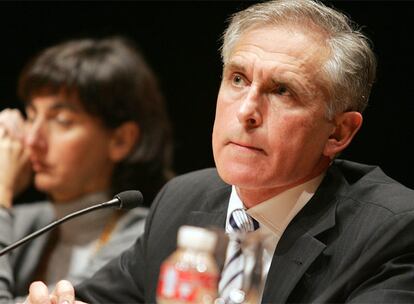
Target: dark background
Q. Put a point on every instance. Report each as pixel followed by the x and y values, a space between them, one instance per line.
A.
pixel 180 40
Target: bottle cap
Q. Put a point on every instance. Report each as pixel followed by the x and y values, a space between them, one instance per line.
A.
pixel 196 238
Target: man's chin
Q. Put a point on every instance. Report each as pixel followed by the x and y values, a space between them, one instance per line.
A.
pixel 239 177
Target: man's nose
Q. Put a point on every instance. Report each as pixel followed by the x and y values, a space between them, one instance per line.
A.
pixel 249 113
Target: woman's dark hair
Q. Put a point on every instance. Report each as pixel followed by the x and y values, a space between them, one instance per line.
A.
pixel 112 82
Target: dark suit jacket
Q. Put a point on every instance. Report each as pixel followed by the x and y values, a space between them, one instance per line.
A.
pixel 353 242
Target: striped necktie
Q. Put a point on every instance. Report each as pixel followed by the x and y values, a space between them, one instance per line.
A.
pixel 232 274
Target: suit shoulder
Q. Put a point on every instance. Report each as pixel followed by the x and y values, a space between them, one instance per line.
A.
pixel 370 185
pixel 205 178
pixel 191 189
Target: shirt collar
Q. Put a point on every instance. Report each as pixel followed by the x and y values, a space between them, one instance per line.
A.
pixel 276 213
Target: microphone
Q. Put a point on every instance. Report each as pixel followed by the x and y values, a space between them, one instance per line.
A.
pixel 124 200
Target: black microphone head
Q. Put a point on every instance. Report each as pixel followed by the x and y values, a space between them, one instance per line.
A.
pixel 129 199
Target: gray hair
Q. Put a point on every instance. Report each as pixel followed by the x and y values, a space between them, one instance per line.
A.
pixel 350 70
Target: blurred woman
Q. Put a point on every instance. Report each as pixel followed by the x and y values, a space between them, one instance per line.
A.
pixel 95 125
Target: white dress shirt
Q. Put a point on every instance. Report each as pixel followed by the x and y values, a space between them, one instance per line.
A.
pixel 275 214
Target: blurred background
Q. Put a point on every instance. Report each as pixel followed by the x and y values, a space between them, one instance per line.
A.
pixel 180 40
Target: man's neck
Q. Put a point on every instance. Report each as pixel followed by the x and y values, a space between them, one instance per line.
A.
pixel 253 197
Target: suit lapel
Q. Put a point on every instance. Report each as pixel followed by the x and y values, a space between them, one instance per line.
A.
pixel 299 246
pixel 207 219
pixel 295 252
pixel 213 209
pixel 287 269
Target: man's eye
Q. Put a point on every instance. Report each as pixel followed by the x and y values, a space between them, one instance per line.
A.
pixel 237 80
pixel 282 90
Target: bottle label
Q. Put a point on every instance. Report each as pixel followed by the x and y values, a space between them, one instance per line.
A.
pixel 185 286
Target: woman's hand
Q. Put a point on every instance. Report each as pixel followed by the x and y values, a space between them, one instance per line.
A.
pixel 15 173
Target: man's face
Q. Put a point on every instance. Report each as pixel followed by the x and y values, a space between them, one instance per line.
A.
pixel 270 128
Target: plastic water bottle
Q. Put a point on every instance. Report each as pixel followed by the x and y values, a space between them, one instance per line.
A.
pixel 190 274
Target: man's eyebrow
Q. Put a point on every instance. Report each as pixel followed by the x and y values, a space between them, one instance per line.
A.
pixel 235 66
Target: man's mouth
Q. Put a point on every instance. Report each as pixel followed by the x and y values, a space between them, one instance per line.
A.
pixel 247 147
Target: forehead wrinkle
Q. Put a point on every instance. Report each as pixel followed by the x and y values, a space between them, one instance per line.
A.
pixel 238 60
pixel 235 65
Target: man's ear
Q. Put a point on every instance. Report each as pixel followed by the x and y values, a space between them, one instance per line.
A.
pixel 124 139
pixel 347 125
